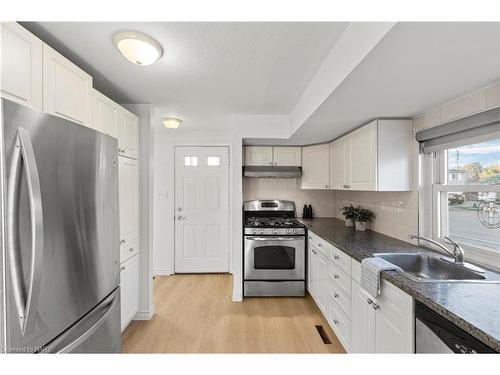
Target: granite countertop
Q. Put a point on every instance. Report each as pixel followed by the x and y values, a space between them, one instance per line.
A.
pixel 474 307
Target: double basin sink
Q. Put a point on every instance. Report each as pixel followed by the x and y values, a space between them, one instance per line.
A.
pixel 423 267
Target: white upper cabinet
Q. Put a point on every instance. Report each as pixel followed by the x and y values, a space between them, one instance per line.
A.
pixel 258 156
pixel 339 163
pixel 66 88
pixel 128 130
pixel 363 158
pixel 316 167
pixel 21 65
pixel 128 180
pixel 287 156
pixel 104 114
pixel 375 157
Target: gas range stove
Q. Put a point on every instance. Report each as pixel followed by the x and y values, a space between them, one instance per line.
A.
pixel 275 249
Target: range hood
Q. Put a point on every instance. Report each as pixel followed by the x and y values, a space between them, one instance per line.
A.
pixel 269 171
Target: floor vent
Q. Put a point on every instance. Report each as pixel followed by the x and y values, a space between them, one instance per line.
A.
pixel 323 335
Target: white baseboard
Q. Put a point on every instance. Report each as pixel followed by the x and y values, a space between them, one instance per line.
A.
pixel 145 315
pixel 162 272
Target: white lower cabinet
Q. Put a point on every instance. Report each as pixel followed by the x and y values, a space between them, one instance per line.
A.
pixel 129 290
pixel 363 324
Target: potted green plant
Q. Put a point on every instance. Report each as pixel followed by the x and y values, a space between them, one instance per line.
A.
pixel 363 216
pixel 349 213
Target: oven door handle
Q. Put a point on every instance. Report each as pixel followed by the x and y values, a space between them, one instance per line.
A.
pixel 275 238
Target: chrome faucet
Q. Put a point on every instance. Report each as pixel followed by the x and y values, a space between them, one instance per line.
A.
pixel 458 252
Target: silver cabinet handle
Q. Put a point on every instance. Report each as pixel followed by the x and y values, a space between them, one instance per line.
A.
pixel 320 245
pixel 375 306
pixel 181 217
pixel 335 276
pixel 131 249
pixel 25 301
pixel 369 301
pixel 335 295
pixel 123 268
pixel 122 241
pixel 326 186
pixel 336 257
pixel 335 321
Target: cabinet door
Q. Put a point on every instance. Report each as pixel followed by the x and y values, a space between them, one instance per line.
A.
pixel 363 158
pixel 321 281
pixel 316 167
pixel 66 88
pixel 258 156
pixel 128 140
pixel 104 114
pixel 363 321
pixel 129 290
pixel 394 326
pixel 339 164
pixel 287 156
pixel 21 65
pixel 310 271
pixel 128 176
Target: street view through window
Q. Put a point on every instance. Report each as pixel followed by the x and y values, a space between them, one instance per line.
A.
pixel 474 216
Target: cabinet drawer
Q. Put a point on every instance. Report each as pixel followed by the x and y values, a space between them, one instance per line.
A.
pixel 340 259
pixel 340 323
pixel 340 297
pixel 339 278
pixel 128 250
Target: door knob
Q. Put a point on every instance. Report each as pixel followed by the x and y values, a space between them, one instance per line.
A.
pixel 180 217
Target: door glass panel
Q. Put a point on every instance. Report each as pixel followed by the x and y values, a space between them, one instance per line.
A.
pixel 213 161
pixel 474 218
pixel 274 258
pixel 190 161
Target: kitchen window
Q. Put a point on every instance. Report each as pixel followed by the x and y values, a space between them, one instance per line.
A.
pixel 460 193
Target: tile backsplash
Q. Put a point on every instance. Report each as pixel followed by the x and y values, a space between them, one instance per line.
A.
pixel 396 213
pixel 322 201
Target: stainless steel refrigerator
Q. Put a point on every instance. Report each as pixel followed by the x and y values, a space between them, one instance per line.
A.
pixel 60 229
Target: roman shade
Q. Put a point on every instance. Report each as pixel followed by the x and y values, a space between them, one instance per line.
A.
pixel 476 128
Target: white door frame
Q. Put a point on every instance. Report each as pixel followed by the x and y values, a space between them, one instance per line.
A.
pixel 230 197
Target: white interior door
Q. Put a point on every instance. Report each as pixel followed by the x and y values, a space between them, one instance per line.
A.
pixel 201 209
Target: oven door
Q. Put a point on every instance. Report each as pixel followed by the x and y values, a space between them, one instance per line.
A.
pixel 275 258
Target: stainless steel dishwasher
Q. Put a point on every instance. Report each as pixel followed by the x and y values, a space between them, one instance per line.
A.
pixel 435 334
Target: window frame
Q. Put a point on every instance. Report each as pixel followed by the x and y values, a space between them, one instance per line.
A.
pixel 433 187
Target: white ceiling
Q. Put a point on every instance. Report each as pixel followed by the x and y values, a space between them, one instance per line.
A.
pixel 207 68
pixel 415 67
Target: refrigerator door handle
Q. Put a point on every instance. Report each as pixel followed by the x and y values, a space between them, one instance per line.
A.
pixel 66 342
pixel 25 299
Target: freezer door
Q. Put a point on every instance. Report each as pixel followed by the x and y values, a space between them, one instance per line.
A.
pixel 96 332
pixel 61 221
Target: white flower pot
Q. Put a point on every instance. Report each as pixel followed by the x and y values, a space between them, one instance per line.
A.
pixel 360 226
pixel 349 223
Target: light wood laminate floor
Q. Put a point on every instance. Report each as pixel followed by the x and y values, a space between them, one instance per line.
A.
pixel 195 314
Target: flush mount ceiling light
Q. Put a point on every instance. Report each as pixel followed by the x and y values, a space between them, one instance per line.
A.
pixel 138 48
pixel 171 122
